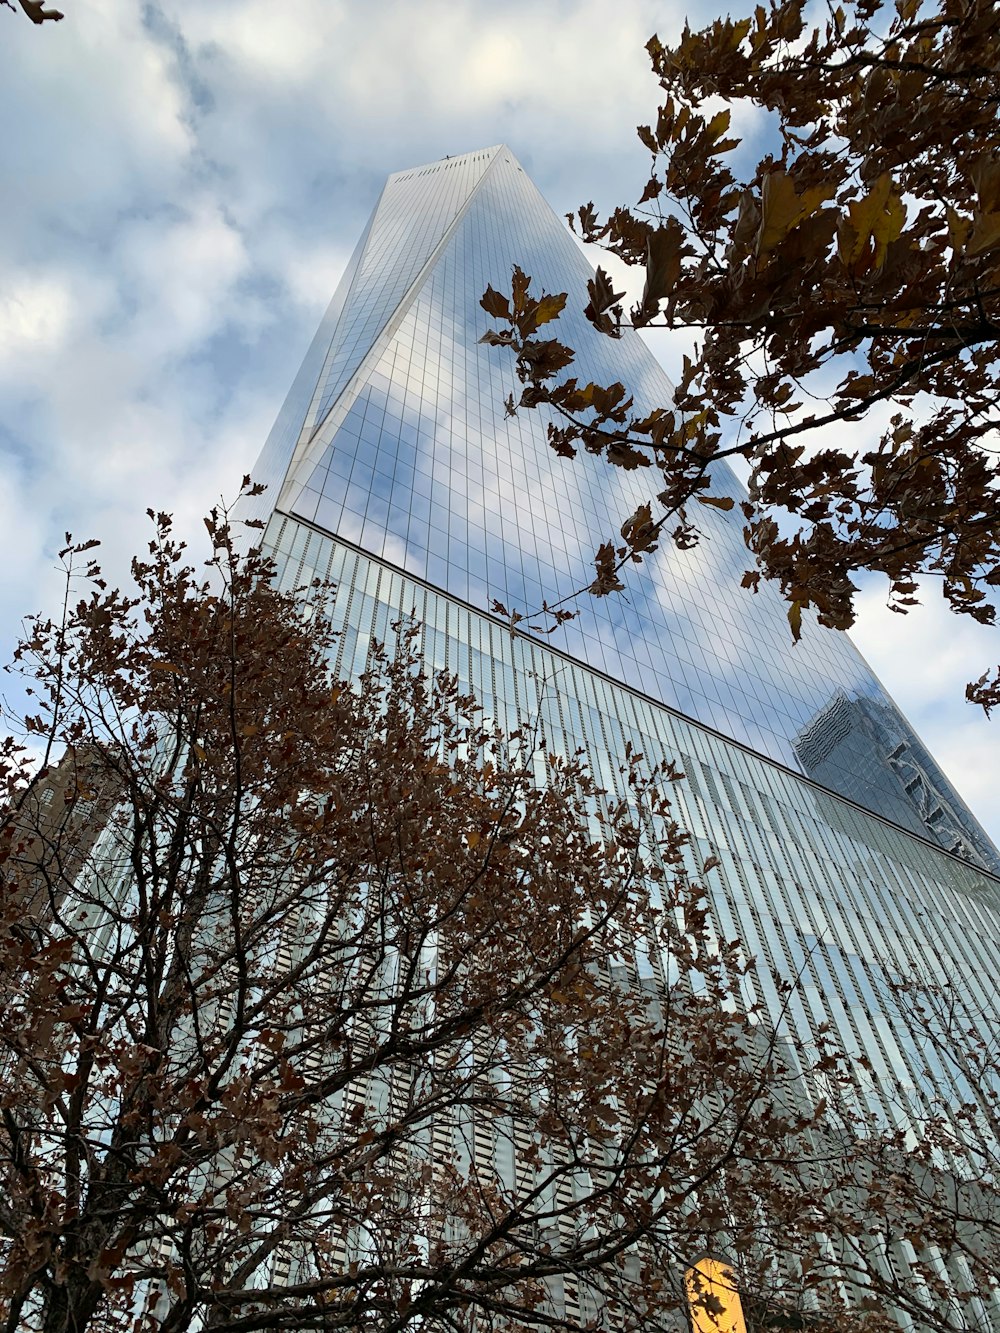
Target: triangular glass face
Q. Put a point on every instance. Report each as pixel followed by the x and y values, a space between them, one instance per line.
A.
pixel 415 461
pixel 414 215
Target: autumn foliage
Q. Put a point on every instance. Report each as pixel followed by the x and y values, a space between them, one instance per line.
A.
pixel 844 296
pixel 318 1012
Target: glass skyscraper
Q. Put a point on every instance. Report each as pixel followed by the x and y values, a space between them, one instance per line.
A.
pixel 846 859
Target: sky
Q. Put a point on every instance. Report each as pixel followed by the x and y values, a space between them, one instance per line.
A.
pixel 184 183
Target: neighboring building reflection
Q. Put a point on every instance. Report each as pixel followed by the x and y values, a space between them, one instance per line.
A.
pixel 864 749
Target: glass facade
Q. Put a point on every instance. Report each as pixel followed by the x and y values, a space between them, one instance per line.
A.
pixel 394 438
pixel 846 860
pixel 823 894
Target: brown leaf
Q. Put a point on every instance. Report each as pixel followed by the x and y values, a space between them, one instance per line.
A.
pixel 495 304
pixel 621 454
pixel 603 298
pixel 663 262
pixel 646 135
pixel 607 580
pixel 653 188
pixel 640 531
pixel 520 283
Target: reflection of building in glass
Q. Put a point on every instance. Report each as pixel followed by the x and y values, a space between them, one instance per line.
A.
pixel 393 470
pixel 863 748
pixel 394 438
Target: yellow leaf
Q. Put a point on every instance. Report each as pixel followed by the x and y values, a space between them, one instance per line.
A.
pixel 877 218
pixel 985 234
pixel 782 209
pixel 958 229
pixel 167 666
pixel 472 838
pixel 718 125
pixel 549 307
pixel 717 501
pixel 779 211
pixel 199 751
pixel 795 620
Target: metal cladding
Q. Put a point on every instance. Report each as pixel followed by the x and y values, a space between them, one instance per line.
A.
pixel 846 860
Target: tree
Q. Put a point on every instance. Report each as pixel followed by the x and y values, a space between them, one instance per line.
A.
pixel 941 1168
pixel 845 291
pixel 339 1020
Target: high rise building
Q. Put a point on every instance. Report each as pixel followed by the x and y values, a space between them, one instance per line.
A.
pixel 846 859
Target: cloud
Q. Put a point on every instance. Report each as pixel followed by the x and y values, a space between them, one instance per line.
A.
pixel 192 178
pixel 34 313
pixel 359 91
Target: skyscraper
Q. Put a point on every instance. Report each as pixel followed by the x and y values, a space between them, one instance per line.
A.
pixel 846 859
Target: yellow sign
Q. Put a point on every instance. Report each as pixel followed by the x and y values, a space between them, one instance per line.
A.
pixel 713 1300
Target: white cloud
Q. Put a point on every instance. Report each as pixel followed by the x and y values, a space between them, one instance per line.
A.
pixel 191 180
pixel 100 118
pixel 181 276
pixel 311 273
pixel 276 44
pixel 34 312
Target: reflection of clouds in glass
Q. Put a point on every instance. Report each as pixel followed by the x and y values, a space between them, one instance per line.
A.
pixel 409 222
pixel 445 488
pixel 396 552
pixel 417 462
pixel 806 881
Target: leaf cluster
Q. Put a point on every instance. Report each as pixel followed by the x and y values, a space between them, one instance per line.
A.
pixel 291 966
pixel 844 292
pixel 318 1011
